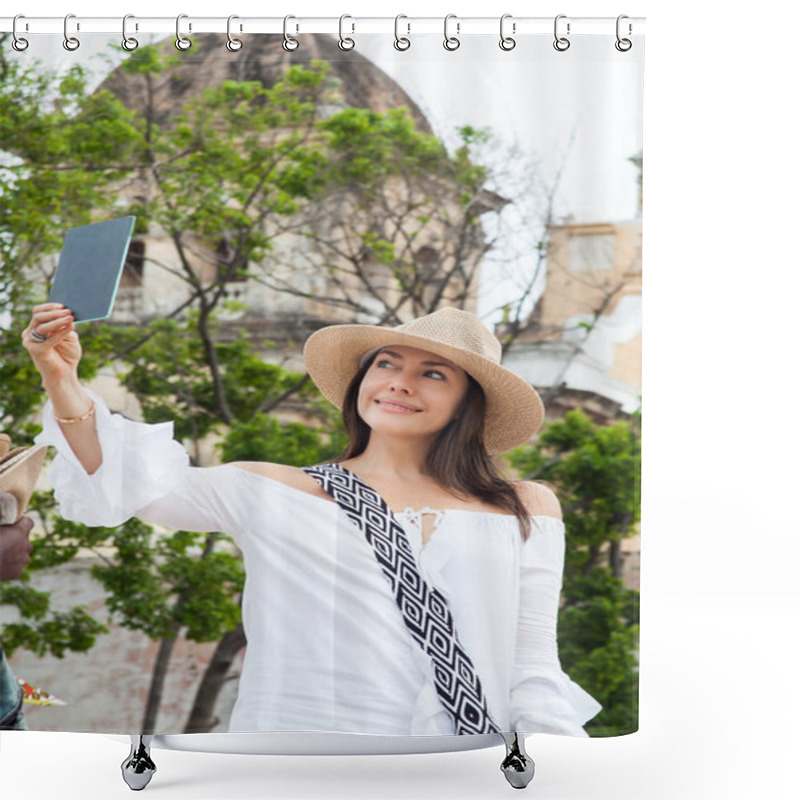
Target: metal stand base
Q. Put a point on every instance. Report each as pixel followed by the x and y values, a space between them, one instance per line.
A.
pixel 138 768
pixel 518 766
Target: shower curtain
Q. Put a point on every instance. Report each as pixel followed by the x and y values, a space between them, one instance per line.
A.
pixel 282 183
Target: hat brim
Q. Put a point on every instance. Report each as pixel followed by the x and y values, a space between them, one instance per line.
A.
pixel 514 410
pixel 19 472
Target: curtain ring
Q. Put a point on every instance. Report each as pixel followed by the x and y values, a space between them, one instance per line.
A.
pixel 70 42
pixel 506 42
pixel 233 44
pixel 128 42
pixel 561 43
pixel 451 42
pixel 345 42
pixel 289 42
pixel 18 42
pixel 401 42
pixel 182 42
pixel 623 45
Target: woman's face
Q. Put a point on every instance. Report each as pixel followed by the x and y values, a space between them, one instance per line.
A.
pixel 410 392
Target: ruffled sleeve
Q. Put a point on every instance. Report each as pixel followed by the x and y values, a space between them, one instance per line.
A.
pixel 144 473
pixel 543 698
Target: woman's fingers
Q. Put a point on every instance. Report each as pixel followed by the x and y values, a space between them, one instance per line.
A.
pixel 46 320
pixel 46 312
pixel 49 315
pixel 59 336
pixel 51 333
pixel 49 328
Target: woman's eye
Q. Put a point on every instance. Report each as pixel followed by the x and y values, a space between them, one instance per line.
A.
pixel 384 362
pixel 436 374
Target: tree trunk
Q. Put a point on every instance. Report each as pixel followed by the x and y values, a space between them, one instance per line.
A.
pixel 615 558
pixel 202 718
pixel 157 682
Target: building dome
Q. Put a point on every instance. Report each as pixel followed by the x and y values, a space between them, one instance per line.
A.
pixel 359 82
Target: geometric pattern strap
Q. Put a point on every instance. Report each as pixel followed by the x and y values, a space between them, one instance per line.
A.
pixel 424 609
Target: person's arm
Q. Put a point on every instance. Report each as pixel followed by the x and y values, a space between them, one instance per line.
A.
pixel 56 359
pixel 543 698
pixel 15 548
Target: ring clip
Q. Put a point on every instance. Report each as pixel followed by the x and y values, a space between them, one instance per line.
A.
pixel 345 42
pixel 19 43
pixel 233 44
pixel 128 42
pixel 451 42
pixel 70 42
pixel 561 43
pixel 182 42
pixel 507 42
pixel 289 42
pixel 401 42
pixel 623 45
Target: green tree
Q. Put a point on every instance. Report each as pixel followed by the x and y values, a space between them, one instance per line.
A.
pixel 595 471
pixel 57 142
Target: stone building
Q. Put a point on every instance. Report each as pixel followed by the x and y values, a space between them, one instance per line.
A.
pixel 305 280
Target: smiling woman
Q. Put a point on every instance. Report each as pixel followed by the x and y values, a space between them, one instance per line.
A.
pixel 408 381
pixel 350 606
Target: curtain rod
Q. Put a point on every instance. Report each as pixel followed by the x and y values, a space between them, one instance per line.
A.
pixel 347 25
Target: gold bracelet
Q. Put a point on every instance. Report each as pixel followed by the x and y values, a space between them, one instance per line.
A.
pixel 71 420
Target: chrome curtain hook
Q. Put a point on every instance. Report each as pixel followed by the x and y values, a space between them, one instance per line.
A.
pixel 19 43
pixel 507 42
pixel 451 42
pixel 233 44
pixel 182 42
pixel 345 42
pixel 289 42
pixel 70 42
pixel 128 42
pixel 561 43
pixel 623 45
pixel 401 42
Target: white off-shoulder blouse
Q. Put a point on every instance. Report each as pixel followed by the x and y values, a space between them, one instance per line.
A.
pixel 327 647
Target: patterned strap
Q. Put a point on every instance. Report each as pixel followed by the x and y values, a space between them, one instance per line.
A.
pixel 423 607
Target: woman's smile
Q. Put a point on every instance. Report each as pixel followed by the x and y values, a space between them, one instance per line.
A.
pixel 397 408
pixel 406 381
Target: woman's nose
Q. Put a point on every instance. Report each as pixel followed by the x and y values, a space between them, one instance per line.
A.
pixel 400 384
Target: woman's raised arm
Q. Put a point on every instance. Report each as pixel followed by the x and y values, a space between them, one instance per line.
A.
pixel 53 344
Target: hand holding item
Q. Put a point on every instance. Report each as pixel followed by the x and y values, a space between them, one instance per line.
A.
pixel 15 548
pixel 19 471
pixel 53 344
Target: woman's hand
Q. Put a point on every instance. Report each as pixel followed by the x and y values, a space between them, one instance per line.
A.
pixel 58 356
pixel 56 352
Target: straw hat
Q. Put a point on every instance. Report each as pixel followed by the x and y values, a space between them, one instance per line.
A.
pixel 514 410
pixel 19 470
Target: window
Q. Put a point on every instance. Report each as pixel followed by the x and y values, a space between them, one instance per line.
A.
pixel 226 254
pixel 133 270
pixel 591 252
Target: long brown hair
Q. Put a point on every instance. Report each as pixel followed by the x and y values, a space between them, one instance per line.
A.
pixel 457 460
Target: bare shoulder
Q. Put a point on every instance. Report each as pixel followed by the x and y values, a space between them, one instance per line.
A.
pixel 538 499
pixel 283 473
